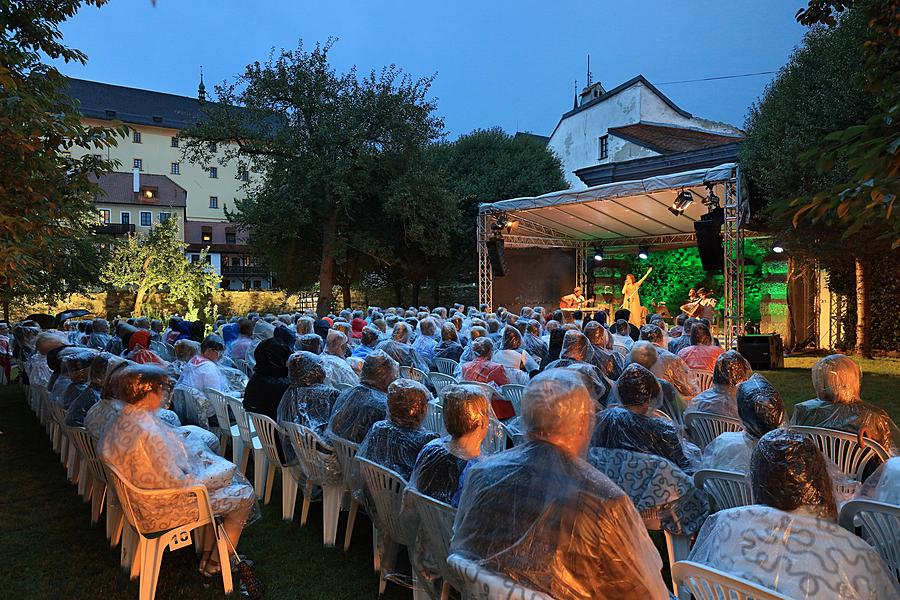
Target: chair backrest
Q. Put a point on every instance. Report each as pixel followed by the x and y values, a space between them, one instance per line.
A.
pixel 243 421
pixel 312 452
pixel 702 379
pixel 621 349
pixel 704 427
pixel 495 440
pixel 440 381
pixel 879 524
pixel 434 421
pixel 436 527
pixel 162 351
pixel 488 390
pixel 191 405
pixel 513 392
pixel 706 583
pixel 446 366
pixel 727 488
pixel 87 449
pixel 346 455
pixel 844 449
pixel 241 365
pixel 482 584
pixel 267 431
pixel 414 374
pixel 386 490
pixel 219 400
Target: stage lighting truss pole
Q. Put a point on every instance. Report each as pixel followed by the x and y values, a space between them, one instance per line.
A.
pixel 733 245
pixel 581 268
pixel 485 273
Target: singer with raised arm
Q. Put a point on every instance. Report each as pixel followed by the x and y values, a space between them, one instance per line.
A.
pixel 632 299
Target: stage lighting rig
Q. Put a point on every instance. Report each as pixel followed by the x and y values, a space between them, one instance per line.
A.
pixel 682 201
pixel 643 253
pixel 598 254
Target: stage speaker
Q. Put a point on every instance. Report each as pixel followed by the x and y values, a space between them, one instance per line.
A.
pixel 709 240
pixel 498 259
pixel 762 351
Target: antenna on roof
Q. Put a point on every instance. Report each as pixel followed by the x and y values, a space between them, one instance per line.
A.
pixel 589 76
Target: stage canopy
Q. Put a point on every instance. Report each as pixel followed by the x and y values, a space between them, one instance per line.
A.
pixel 622 214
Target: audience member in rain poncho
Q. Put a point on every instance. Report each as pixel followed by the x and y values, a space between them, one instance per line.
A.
pixel 395 442
pixel 285 335
pixel 425 343
pixel 669 400
pixel 24 341
pixel 730 371
pixel 440 464
pixel 308 400
pixel 119 343
pixel 337 369
pixel 99 337
pixel 367 342
pixel 310 342
pixel 139 350
pixel 241 346
pixel 602 355
pixel 572 533
pixel 533 343
pixel 701 355
pixel 884 484
pixel 483 369
pixel 357 409
pixel 262 330
pixel 577 353
pixel 185 350
pixel 789 541
pixel 399 349
pixel 89 395
pixel 449 346
pixel 151 455
pixel 77 366
pixel 475 332
pixel 620 335
pixel 630 427
pixel 761 410
pixel 202 372
pixel 838 405
pixel 668 366
pixel 511 355
pixel 60 380
pixel 269 380
pixel 677 344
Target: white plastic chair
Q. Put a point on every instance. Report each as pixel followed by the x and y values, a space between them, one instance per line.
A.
pixel 446 366
pixel 249 441
pixel 513 392
pixel 880 527
pixel 434 420
pixel 486 388
pixel 727 488
pixel 241 365
pixel 706 583
pixel 479 583
pixel 162 351
pixel 312 451
pixel 150 545
pixel 227 431
pixel 94 477
pixel 385 488
pixel 268 431
pixel 346 455
pixel 678 547
pixel 495 440
pixel 702 379
pixel 440 380
pixel 704 427
pixel 414 374
pixel 436 529
pixel 844 449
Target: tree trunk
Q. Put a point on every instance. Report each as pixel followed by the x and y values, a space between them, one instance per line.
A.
pixel 437 291
pixel 398 293
pixel 417 286
pixel 326 269
pixel 345 291
pixel 139 300
pixel 6 310
pixel 863 343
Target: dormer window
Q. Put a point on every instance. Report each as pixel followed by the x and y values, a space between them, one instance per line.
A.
pixel 149 193
pixel 206 234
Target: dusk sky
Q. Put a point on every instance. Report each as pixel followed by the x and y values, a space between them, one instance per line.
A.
pixel 512 64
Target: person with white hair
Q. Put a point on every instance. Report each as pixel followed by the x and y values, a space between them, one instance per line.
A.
pixel 357 409
pixel 573 534
pixel 337 369
pixel 730 371
pixel 425 343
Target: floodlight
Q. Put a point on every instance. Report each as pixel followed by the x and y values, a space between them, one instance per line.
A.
pixel 598 254
pixel 777 249
pixel 682 201
pixel 643 253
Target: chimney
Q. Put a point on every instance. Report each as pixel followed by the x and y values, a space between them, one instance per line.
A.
pixel 136 178
pixel 595 90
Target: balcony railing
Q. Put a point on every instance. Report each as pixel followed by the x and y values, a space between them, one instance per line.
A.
pixel 244 271
pixel 115 228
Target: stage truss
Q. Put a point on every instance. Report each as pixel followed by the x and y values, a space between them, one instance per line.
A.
pixel 529 233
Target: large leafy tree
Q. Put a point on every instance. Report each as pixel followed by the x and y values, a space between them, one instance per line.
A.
pixel 157 262
pixel 341 187
pixel 47 244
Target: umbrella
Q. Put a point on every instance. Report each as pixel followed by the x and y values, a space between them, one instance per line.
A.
pixel 44 320
pixel 70 314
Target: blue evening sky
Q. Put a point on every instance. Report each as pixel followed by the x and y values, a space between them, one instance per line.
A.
pixel 502 62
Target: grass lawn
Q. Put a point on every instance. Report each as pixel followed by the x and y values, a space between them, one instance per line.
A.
pixel 49 549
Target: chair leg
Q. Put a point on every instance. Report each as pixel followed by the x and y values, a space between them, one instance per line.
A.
pixel 307 500
pixel 288 495
pixel 85 481
pixel 151 559
pixel 377 547
pixel 137 557
pixel 224 436
pixel 244 452
pixel 445 590
pixel 260 471
pixel 98 493
pixel 678 548
pixel 331 512
pixel 388 559
pixel 224 559
pixel 270 482
pixel 351 520
pixel 115 522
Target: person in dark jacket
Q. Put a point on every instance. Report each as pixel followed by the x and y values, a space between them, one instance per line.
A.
pixel 270 378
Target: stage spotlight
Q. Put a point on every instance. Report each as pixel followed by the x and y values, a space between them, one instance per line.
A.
pixel 682 201
pixel 643 253
pixel 777 249
pixel 598 254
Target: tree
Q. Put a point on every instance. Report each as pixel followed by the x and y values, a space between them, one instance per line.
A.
pixel 335 152
pixel 157 261
pixel 47 244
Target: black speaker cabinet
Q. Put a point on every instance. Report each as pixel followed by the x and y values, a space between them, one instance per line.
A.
pixel 709 240
pixel 498 258
pixel 763 352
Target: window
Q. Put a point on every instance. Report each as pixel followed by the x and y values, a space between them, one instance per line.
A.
pixel 98 157
pixel 213 147
pixel 146 218
pixel 206 234
pixel 214 202
pixel 230 236
pixel 174 142
pixel 257 284
pixel 136 137
pixel 138 164
pixel 195 258
pixel 213 173
pixel 164 216
pixel 235 261
pixel 604 147
pixel 176 168
pixel 104 216
pixel 243 174
pixel 125 217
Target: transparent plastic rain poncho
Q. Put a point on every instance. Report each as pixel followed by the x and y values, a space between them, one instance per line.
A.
pixel 761 410
pixel 337 369
pixel 534 345
pixel 511 353
pixel 884 484
pixel 77 368
pixel 731 370
pixel 262 330
pixel 308 400
pixel 789 541
pixel 838 405
pixel 425 342
pixel 668 399
pixel 629 427
pixel 357 409
pixel 672 369
pixel 367 341
pixel 310 342
pixel 543 516
pixel 654 484
pixel 269 380
pixel 151 454
pixel 60 379
pixel 185 350
pixel 577 350
pixel 609 361
pixel 89 395
pixel 201 373
pixel 24 341
pixel 399 349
